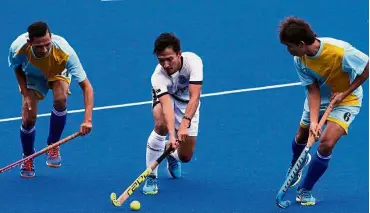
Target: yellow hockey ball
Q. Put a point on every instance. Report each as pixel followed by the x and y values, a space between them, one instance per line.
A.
pixel 135 205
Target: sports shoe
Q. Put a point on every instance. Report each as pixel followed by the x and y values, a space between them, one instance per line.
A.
pixel 151 185
pixel 305 197
pixel 53 158
pixel 173 167
pixel 27 169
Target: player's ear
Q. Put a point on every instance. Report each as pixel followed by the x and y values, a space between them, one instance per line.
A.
pixel 179 53
pixel 301 44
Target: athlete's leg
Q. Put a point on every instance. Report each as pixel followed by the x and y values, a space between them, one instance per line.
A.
pixel 57 120
pixel 337 125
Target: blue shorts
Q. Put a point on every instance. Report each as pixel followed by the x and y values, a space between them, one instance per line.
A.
pixel 342 115
pixel 41 85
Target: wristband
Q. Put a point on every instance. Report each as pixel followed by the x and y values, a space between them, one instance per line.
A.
pixel 189 119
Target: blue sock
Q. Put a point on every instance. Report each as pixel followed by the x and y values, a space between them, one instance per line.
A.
pixel 28 139
pixel 57 123
pixel 316 169
pixel 297 150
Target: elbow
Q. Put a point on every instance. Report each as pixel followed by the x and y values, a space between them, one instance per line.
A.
pixel 195 99
pixel 365 72
pixel 88 90
pixel 194 102
pixel 91 89
pixel 86 87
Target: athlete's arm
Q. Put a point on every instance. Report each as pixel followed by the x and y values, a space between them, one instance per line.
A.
pixel 88 94
pixel 194 97
pixel 168 112
pixel 21 78
pixel 314 100
pixel 359 80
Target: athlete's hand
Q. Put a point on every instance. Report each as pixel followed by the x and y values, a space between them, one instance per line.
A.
pixel 85 127
pixel 183 131
pixel 173 143
pixel 337 98
pixel 315 130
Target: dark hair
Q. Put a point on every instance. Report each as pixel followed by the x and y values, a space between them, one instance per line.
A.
pixel 37 29
pixel 166 40
pixel 295 30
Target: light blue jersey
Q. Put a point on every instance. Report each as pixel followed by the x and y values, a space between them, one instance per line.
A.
pixel 62 58
pixel 334 68
pixel 62 63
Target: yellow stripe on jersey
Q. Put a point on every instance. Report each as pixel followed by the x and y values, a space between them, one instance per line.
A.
pixel 329 65
pixel 52 65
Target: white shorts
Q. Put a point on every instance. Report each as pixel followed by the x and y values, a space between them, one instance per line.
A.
pixel 179 109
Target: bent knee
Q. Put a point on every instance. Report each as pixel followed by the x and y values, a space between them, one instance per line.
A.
pixel 60 102
pixel 326 147
pixel 302 135
pixel 185 159
pixel 29 121
pixel 28 117
pixel 160 128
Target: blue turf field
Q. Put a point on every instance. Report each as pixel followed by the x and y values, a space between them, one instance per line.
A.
pixel 244 140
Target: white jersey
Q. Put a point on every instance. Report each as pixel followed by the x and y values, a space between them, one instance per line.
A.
pixel 177 84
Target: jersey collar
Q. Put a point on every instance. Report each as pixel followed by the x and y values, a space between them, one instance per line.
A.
pixel 319 51
pixel 175 74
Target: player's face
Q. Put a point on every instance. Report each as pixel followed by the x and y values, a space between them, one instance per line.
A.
pixel 169 60
pixel 295 50
pixel 41 45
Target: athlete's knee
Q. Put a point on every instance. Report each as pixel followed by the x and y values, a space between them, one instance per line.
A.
pixel 29 120
pixel 326 146
pixel 28 117
pixel 159 122
pixel 302 135
pixel 329 138
pixel 60 92
pixel 60 101
pixel 185 158
pixel 160 127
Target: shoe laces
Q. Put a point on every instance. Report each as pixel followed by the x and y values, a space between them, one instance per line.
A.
pixel 151 181
pixel 173 163
pixel 305 193
pixel 28 165
pixel 54 152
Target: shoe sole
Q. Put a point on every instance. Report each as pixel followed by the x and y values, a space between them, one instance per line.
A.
pixel 53 165
pixel 312 203
pixel 307 203
pixel 150 193
pixel 23 176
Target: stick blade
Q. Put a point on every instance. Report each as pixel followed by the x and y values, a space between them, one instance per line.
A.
pixel 113 199
pixel 282 203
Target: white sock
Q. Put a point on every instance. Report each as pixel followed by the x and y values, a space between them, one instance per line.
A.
pixel 154 149
pixel 175 154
